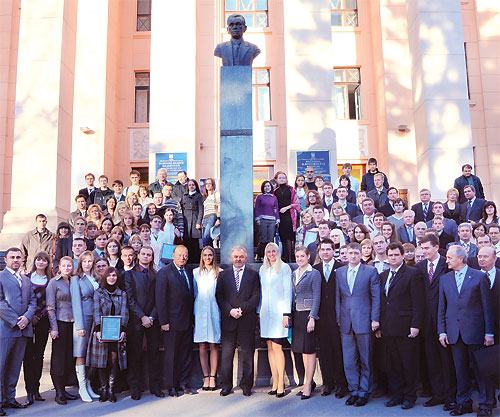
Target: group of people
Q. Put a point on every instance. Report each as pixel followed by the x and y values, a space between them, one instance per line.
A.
pixel 391 297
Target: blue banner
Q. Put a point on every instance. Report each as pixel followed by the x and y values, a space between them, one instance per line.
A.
pixel 319 160
pixel 173 163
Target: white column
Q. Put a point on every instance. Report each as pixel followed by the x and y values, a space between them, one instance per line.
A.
pixel 172 117
pixel 439 80
pixel 309 80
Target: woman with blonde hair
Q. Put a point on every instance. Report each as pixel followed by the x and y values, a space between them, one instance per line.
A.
pixel 82 288
pixel 143 195
pixel 129 226
pixel 274 311
pixel 131 199
pixel 94 215
pixel 338 239
pixel 452 206
pixel 136 243
pixel 121 209
pixel 336 211
pixel 207 330
pixel 367 251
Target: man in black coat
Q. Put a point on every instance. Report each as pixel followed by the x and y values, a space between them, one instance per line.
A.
pixel 140 284
pixel 482 241
pixel 89 179
pixel 174 304
pixel 423 210
pixel 180 186
pixel 439 361
pixel 401 318
pixel 330 345
pixel 238 296
pixel 466 179
pixel 472 209
pixel 388 208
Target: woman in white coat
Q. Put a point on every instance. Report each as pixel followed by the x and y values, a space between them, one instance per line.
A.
pixel 275 310
pixel 207 315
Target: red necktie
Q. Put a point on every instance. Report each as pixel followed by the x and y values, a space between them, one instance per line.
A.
pixel 431 271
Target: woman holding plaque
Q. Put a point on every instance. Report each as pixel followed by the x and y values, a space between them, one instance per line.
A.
pixel 275 310
pixel 106 351
pixel 82 289
pixel 60 314
pixel 207 315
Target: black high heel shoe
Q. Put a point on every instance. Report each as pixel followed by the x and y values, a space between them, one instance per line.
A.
pixel 215 381
pixel 272 392
pixel 204 388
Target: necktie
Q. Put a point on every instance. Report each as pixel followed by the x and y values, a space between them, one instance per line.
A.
pixel 236 53
pixel 469 208
pixel 389 282
pixel 371 226
pixel 350 279
pixel 327 272
pixel 410 233
pixel 237 280
pixel 425 211
pixel 19 280
pixel 491 277
pixel 466 246
pixel 183 273
pixel 431 271
pixel 459 280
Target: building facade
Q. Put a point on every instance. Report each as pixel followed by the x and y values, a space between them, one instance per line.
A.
pixel 103 85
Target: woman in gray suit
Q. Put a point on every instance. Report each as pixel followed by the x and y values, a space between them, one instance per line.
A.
pixel 82 289
pixel 306 299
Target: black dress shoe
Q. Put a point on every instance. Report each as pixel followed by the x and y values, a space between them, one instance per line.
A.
pixel 326 391
pixel 158 393
pixel 247 392
pixel 393 402
pixel 361 402
pixel 351 400
pixel 280 394
pixel 136 395
pixel 225 392
pixel 2 412
pixel 407 405
pixel 341 393
pixel 13 404
pixel 60 398
pixel 38 397
pixel 448 406
pixel 272 392
pixel 305 397
pixel 433 402
pixel 30 399
pixel 70 396
pixel 173 392
pixel 461 409
pixel 484 412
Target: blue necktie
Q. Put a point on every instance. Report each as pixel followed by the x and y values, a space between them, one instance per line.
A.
pixel 469 208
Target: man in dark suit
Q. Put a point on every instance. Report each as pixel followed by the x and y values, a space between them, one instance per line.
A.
pixel 423 210
pixel 236 52
pixel 439 360
pixel 357 307
pixel 157 185
pixel 102 194
pixel 379 193
pixel 140 285
pixel 388 208
pixel 17 307
pixel 406 232
pixel 472 209
pixel 465 179
pixel 324 229
pixel 332 366
pixel 328 198
pixel 401 318
pixel 444 238
pixel 351 209
pixel 368 210
pixel 89 179
pixel 238 296
pixel 81 209
pixel 450 226
pixel 482 241
pixel 174 305
pixel 465 239
pixel 465 323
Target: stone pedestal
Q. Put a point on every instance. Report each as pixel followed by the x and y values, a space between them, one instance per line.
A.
pixel 236 160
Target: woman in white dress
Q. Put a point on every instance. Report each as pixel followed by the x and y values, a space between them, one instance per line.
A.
pixel 274 310
pixel 207 315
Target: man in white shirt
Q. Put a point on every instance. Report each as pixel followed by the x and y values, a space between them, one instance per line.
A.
pixel 420 229
pixel 328 199
pixel 347 169
pixel 367 218
pixel 494 234
pixel 118 191
pixel 406 232
pixel 465 239
pixel 135 178
pixel 128 257
pixel 381 261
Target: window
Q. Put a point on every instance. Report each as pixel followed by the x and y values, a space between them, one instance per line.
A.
pixel 347 93
pixel 261 97
pixel 142 97
pixel 143 15
pixel 254 11
pixel 344 12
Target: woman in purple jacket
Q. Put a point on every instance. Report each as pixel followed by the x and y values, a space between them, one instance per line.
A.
pixel 266 216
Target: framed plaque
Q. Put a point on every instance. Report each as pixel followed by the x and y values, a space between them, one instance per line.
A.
pixel 111 328
pixel 167 252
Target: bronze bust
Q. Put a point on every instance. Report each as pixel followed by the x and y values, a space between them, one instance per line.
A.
pixel 236 52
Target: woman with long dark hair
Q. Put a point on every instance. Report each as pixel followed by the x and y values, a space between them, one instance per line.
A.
pixel 266 213
pixel 490 214
pixel 192 210
pixel 211 210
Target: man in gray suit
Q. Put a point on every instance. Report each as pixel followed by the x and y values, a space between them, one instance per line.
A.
pixel 236 52
pixel 17 306
pixel 357 310
pixel 465 323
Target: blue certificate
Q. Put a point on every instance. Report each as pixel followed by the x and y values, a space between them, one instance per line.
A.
pixel 167 252
pixel 110 328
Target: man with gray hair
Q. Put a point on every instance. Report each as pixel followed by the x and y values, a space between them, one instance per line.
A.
pixel 465 324
pixel 406 232
pixel 238 296
pixel 161 181
pixel 465 239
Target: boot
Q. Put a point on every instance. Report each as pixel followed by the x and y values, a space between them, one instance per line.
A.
pixel 82 383
pixel 90 375
pixel 103 376
pixel 60 397
pixel 112 380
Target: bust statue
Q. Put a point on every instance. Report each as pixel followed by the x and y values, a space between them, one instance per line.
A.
pixel 236 52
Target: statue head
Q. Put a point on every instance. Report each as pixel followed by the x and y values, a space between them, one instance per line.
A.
pixel 236 26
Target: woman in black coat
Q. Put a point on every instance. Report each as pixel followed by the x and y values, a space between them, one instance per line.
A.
pixel 192 210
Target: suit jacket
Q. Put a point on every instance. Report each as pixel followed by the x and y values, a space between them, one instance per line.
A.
pixel 403 235
pixel 403 307
pixel 474 263
pixel 356 311
pixel 15 301
pixel 431 289
pixel 450 227
pixel 352 210
pixel 246 53
pixel 380 199
pixel 495 297
pixel 476 213
pixel 64 247
pixel 248 299
pixel 327 310
pixel 468 314
pixel 86 194
pixel 419 212
pixel 445 239
pixel 174 300
pixel 140 296
pixel 73 215
pixel 387 210
pixel 82 300
pixel 460 184
pixel 307 292
pixel 473 249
